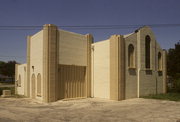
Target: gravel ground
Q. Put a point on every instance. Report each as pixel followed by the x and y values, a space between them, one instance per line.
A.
pixel 89 110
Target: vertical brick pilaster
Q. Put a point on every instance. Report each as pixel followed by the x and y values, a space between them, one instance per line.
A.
pixel 50 62
pixel 88 68
pixel 114 68
pixel 27 93
pixel 117 67
pixel 121 66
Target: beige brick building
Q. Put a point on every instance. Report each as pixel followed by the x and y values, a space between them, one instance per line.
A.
pixel 62 65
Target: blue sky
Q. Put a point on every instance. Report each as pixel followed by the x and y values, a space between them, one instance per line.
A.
pixel 85 12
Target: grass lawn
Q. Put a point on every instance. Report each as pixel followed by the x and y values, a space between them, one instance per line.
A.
pixel 167 96
pixel 4 82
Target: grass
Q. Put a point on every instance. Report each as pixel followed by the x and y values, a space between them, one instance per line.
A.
pixel 5 82
pixel 167 96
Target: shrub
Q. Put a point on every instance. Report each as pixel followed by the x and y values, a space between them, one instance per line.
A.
pixel 7 88
pixel 177 87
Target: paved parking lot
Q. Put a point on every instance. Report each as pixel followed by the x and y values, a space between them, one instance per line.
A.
pixel 89 110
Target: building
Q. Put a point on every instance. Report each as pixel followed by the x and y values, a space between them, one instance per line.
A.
pixel 128 66
pixel 58 65
pixel 62 64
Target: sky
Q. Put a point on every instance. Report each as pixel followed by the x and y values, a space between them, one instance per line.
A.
pixel 85 13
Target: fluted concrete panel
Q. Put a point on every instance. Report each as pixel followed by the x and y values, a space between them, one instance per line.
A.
pixel 72 81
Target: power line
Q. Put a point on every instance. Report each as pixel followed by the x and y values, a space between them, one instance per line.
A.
pixel 89 26
pixel 3 56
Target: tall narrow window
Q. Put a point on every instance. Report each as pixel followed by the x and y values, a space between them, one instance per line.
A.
pixel 19 81
pixel 159 61
pixel 39 84
pixel 147 51
pixel 131 63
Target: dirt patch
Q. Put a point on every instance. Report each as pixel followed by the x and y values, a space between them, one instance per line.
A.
pixel 89 110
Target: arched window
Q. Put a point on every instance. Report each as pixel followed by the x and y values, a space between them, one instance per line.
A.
pixel 159 61
pixel 147 51
pixel 19 81
pixel 39 84
pixel 131 56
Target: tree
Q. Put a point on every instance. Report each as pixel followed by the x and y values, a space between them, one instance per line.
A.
pixel 8 69
pixel 173 62
pixel 173 65
pixel 1 66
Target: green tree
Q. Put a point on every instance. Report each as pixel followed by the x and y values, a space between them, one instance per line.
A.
pixel 8 69
pixel 2 63
pixel 173 64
